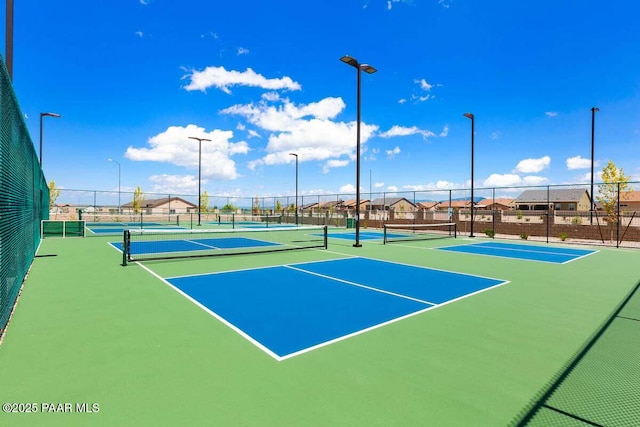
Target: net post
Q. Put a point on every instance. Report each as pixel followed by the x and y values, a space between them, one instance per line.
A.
pixel 326 237
pixel 455 230
pixel 384 234
pixel 126 246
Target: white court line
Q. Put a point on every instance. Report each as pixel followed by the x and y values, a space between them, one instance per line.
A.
pixel 388 322
pixel 489 245
pixel 341 338
pixel 360 285
pixel 214 314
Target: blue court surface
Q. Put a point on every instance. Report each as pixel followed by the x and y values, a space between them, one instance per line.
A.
pixel 552 254
pixel 163 246
pixel 119 229
pixel 288 310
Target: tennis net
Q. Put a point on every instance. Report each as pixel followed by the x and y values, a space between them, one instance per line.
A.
pixel 404 232
pixel 155 244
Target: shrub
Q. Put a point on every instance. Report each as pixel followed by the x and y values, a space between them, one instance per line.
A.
pixel 490 233
pixel 524 236
pixel 563 236
pixel 519 214
pixel 527 219
pixel 576 220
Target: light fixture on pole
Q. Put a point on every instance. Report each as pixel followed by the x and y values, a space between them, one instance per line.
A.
pixel 294 154
pixel 594 110
pixel 119 205
pixel 199 171
pixel 470 116
pixel 370 70
pixel 42 115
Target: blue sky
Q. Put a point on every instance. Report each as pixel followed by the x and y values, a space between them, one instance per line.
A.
pixel 133 79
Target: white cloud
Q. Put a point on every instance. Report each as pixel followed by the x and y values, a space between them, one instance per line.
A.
pixel 510 180
pixel 392 188
pixel 533 165
pixel 445 3
pixel 392 153
pixel 534 180
pixel 309 130
pixel 330 164
pixel 222 79
pixel 424 85
pixel 502 180
pixel 402 101
pixel 578 162
pixel 139 34
pixel 405 131
pixel 445 131
pixel 174 146
pixel 551 113
pixel 145 2
pixel 253 134
pixel 271 96
pixel 495 135
pixel 242 51
pixel 181 184
pixel 440 185
pixel 347 189
pixel 378 185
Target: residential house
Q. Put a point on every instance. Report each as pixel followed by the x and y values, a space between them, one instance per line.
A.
pixel 428 206
pixel 400 206
pixel 455 205
pixel 630 201
pixel 568 199
pixel 349 206
pixel 502 204
pixel 165 205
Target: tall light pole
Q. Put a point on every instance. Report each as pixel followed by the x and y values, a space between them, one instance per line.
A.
pixel 470 116
pixel 370 70
pixel 199 171
pixel 9 38
pixel 593 128
pixel 119 204
pixel 42 115
pixel 294 154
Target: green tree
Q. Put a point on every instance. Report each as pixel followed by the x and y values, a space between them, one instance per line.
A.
pixel 278 206
pixel 54 192
pixel 138 198
pixel 292 207
pixel 614 182
pixel 229 207
pixel 256 206
pixel 204 201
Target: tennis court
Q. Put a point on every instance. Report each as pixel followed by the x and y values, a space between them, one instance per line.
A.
pixel 324 301
pixel 385 334
pixel 551 254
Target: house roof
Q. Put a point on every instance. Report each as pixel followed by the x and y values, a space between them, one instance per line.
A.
pixel 630 196
pixel 352 202
pixel 455 204
pixel 428 205
pixel 503 201
pixel 154 203
pixel 555 195
pixel 390 201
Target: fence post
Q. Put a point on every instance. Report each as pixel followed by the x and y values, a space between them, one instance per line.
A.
pixel 548 211
pixel 618 217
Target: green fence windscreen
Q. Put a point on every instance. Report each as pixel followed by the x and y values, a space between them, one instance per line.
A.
pixel 24 198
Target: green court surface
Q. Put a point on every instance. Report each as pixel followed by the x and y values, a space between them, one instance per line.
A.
pixel 87 330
